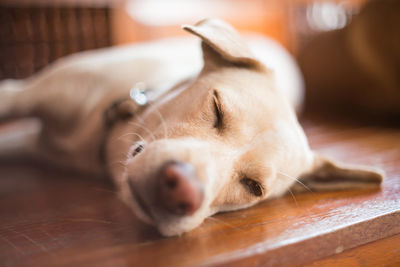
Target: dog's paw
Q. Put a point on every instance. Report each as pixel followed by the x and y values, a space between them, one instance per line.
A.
pixel 8 90
pixel 10 85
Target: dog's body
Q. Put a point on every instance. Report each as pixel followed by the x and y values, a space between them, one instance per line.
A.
pixel 217 136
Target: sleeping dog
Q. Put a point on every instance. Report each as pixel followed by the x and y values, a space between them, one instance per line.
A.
pixel 183 136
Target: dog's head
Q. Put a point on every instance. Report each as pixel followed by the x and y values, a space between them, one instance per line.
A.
pixel 225 141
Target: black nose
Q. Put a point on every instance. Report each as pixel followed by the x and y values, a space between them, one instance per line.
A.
pixel 181 193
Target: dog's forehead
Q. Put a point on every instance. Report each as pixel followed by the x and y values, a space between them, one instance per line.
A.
pixel 262 121
pixel 247 91
pixel 251 102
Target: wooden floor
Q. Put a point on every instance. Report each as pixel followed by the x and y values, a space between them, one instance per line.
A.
pixel 49 218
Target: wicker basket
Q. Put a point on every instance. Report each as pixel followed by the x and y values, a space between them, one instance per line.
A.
pixel 33 36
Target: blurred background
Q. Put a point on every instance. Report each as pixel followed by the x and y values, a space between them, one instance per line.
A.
pixel 348 50
pixel 34 33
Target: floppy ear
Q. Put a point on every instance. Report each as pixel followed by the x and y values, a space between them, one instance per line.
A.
pixel 221 44
pixel 328 175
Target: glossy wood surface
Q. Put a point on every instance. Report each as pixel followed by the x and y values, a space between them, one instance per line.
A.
pixel 384 252
pixel 52 218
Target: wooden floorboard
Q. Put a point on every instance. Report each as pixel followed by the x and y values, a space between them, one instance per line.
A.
pixel 383 252
pixel 52 218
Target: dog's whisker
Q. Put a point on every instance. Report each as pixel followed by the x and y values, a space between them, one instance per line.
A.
pixel 296 180
pixel 294 198
pixel 128 140
pixel 118 138
pixel 141 137
pixel 162 122
pixel 138 135
pixel 144 128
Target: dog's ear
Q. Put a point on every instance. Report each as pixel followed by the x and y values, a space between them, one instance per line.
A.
pixel 328 175
pixel 221 44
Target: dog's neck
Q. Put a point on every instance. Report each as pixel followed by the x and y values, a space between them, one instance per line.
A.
pixel 124 109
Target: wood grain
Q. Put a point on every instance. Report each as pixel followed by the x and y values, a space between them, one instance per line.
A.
pixel 53 218
pixel 384 252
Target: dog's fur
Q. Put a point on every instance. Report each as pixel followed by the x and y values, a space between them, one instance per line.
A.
pixel 234 122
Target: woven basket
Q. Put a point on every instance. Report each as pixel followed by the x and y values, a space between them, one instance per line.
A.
pixel 33 36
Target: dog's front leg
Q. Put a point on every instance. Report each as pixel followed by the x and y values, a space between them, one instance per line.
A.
pixel 19 100
pixel 18 139
pixel 11 94
pixel 69 130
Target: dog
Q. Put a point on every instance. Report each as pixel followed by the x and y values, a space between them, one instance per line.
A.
pixel 183 136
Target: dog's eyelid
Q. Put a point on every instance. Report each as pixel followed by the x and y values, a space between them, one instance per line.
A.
pixel 138 149
pixel 218 110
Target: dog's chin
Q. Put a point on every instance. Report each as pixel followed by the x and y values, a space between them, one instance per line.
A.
pixel 139 209
pixel 178 227
pixel 144 207
pixel 167 226
pixel 134 202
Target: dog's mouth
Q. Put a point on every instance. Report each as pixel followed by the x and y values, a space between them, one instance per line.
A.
pixel 141 204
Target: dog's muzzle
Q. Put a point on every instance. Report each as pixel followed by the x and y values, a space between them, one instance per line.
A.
pixel 179 190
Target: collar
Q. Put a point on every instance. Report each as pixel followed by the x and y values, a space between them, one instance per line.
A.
pixel 125 108
pixel 121 110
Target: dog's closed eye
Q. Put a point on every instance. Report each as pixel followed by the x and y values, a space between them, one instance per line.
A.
pixel 252 186
pixel 218 122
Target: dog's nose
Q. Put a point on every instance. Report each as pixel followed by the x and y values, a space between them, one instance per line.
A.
pixel 180 191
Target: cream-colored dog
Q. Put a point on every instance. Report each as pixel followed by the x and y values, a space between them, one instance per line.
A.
pixel 182 141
